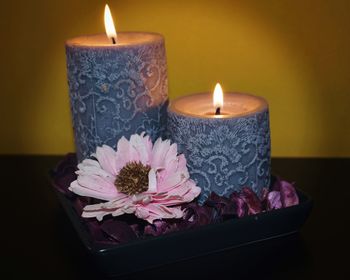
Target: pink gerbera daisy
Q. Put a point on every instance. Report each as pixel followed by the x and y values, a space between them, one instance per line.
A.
pixel 148 180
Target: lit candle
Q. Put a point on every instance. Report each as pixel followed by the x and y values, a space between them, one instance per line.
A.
pixel 225 138
pixel 118 86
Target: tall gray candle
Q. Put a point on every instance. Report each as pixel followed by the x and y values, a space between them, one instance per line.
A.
pixel 227 150
pixel 118 87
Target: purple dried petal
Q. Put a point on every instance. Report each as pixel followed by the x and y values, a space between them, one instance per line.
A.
pixel 118 231
pixel 80 202
pixel 223 205
pixel 241 208
pixel 136 229
pixel 274 200
pixel 150 230
pixel 276 186
pixel 228 210
pixel 264 194
pixel 252 200
pixel 155 229
pixel 160 227
pixel 289 196
pixel 264 199
pixel 122 229
pixel 174 226
pixel 69 160
pixel 64 174
pixel 196 215
pixel 97 235
pixel 78 205
pixel 214 197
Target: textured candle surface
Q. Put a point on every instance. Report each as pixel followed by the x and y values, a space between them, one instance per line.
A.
pixel 227 153
pixel 116 90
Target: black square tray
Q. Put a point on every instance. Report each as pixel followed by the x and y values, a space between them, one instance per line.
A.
pixel 130 257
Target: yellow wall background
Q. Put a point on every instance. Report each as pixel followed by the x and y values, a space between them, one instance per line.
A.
pixel 296 54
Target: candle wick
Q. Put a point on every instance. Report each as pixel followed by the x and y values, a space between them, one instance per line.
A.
pixel 217 112
pixel 113 41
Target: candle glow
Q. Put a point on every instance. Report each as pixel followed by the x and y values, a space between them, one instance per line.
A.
pixel 109 25
pixel 218 98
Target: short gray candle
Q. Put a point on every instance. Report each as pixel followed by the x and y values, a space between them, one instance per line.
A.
pixel 227 152
pixel 116 89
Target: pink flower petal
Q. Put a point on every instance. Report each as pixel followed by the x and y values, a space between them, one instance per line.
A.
pixel 100 182
pixel 147 139
pixel 170 169
pixel 168 180
pixel 141 146
pixel 117 203
pixel 182 163
pixel 115 208
pixel 106 156
pixel 98 215
pixel 142 213
pixel 193 191
pixel 173 180
pixel 152 181
pixel 141 198
pixel 160 149
pixel 89 162
pixel 154 212
pixel 122 153
pixel 171 155
pixel 89 169
pixel 83 191
pixel 184 193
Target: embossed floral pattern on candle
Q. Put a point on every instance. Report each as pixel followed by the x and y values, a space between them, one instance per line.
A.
pixel 116 92
pixel 224 155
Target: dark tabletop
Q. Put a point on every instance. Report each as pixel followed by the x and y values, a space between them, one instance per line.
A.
pixel 39 240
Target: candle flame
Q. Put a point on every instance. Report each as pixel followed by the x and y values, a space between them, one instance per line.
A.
pixel 218 97
pixel 109 24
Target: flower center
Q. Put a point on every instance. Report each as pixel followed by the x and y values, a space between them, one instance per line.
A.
pixel 133 178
